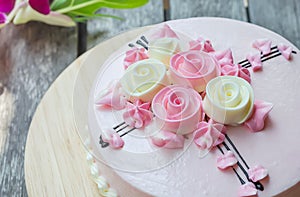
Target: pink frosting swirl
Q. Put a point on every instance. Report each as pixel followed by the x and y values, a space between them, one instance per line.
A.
pixel 201 45
pixel 113 138
pixel 224 57
pixel 226 160
pixel 263 45
pixel 247 189
pixel 168 139
pixel 177 109
pixel 137 114
pixel 261 109
pixel 112 97
pixel 133 55
pixel 194 69
pixel 236 70
pixel 257 173
pixel 209 134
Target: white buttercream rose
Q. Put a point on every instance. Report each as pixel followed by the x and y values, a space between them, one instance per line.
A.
pixel 163 48
pixel 143 79
pixel 228 100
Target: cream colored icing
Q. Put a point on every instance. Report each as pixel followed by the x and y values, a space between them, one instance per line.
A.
pixel 143 79
pixel 228 100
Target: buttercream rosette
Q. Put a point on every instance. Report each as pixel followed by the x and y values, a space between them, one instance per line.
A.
pixel 177 109
pixel 143 79
pixel 194 69
pixel 228 100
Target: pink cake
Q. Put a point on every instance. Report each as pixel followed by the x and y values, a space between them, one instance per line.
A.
pixel 198 107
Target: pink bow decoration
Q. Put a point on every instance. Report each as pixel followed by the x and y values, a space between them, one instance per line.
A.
pixel 257 173
pixel 138 114
pixel 224 57
pixel 168 139
pixel 285 50
pixel 261 110
pixel 209 135
pixel 112 97
pixel 247 189
pixel 165 31
pixel 263 45
pixel 226 160
pixel 255 61
pixel 133 55
pixel 236 70
pixel 113 138
pixel 202 45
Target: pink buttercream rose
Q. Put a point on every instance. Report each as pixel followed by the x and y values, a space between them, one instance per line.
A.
pixel 201 45
pixel 260 112
pixel 168 139
pixel 194 69
pixel 209 134
pixel 133 55
pixel 177 109
pixel 112 97
pixel 224 57
pixel 236 70
pixel 137 114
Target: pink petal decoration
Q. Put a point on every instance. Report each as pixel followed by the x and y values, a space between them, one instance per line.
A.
pixel 113 138
pixel 112 97
pixel 209 135
pixel 257 173
pixel 41 6
pixel 133 55
pixel 201 44
pixel 285 50
pixel 263 45
pixel 261 110
pixel 224 57
pixel 138 114
pixel 236 70
pixel 226 160
pixel 247 189
pixel 168 139
pixel 3 18
pixel 6 5
pixel 165 31
pixel 255 61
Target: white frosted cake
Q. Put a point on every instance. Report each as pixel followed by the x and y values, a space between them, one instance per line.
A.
pixel 197 107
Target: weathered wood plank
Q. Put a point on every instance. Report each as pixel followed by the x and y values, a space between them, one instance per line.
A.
pixel 104 28
pixel 216 8
pixel 279 16
pixel 31 57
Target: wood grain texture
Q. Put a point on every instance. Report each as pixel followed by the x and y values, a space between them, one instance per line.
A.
pixel 55 162
pixel 31 57
pixel 282 17
pixel 216 8
pixel 104 28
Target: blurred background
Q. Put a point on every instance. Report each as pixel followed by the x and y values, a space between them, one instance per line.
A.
pixel 34 54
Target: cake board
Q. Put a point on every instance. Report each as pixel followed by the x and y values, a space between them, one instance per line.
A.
pixel 55 162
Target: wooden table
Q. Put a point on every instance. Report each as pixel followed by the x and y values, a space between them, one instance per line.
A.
pixel 33 55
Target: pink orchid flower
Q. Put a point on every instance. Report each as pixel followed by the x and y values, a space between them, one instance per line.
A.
pixel 22 11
